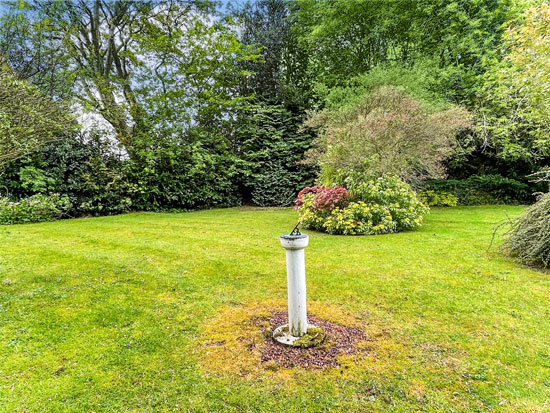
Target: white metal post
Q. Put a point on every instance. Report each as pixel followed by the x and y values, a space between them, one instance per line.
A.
pixel 296 282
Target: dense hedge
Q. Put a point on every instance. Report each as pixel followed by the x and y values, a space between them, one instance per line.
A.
pixel 437 199
pixel 83 171
pixel 261 166
pixel 484 189
pixel 264 171
pixel 270 145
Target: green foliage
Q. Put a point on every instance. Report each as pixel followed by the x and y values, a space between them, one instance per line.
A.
pixel 528 239
pixel 437 199
pixel 99 183
pixel 37 208
pixel 271 145
pixel 377 206
pixel 281 75
pixel 182 178
pixel 513 109
pixel 103 188
pixel 164 82
pixel 83 170
pixel 484 189
pixel 152 70
pixel 351 37
pixel 35 180
pixel 268 138
pixel 456 50
pixel 28 119
pixel 383 132
pixel 275 186
pixel 206 110
pixel 417 81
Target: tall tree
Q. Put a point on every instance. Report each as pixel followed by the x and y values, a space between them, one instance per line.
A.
pixel 351 37
pixel 268 138
pixel 147 67
pixel 514 106
pixel 281 76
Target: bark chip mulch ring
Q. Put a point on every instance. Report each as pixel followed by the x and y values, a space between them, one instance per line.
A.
pixel 340 341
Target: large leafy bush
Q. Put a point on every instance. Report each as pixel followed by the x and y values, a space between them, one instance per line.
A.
pixel 387 131
pixel 515 115
pixel 28 119
pixel 529 236
pixel 371 206
pixel 179 178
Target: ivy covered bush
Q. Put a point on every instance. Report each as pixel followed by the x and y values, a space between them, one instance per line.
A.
pixel 37 208
pixel 365 207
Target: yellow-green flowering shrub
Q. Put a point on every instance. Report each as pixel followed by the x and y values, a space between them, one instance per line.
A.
pixel 377 206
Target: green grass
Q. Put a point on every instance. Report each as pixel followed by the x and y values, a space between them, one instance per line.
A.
pixel 103 314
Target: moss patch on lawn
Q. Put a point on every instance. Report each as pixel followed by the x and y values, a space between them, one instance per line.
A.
pixel 314 337
pixel 238 341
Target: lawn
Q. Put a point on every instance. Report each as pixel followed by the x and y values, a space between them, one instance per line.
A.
pixel 107 314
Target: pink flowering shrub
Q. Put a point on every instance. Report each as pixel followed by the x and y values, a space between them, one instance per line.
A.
pixel 324 199
pixel 307 190
pixel 330 198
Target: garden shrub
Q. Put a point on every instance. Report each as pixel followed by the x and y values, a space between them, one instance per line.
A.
pixel 437 199
pixel 484 190
pixel 528 239
pixel 398 135
pixel 367 207
pixel 326 199
pixel 37 208
pixel 81 169
pixel 182 178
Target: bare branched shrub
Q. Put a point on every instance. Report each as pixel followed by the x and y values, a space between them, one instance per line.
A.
pixel 528 238
pixel 386 132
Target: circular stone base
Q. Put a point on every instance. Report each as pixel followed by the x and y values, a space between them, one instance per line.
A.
pixel 283 336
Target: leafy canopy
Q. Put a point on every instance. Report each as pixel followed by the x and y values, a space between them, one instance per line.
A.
pixel 351 37
pixel 514 114
pixel 28 119
pixel 151 69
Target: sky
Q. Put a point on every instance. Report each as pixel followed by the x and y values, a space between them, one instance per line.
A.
pixel 223 3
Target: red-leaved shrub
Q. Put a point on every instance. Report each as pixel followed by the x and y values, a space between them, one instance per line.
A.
pixel 326 199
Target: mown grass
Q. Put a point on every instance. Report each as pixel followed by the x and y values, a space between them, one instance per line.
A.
pixel 105 314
